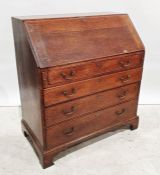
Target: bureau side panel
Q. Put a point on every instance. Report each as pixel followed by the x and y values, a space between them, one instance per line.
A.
pixel 29 82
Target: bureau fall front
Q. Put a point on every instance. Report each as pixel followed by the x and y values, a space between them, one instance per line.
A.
pixel 79 77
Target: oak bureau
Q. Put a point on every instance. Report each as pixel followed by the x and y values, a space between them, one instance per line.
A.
pixel 79 76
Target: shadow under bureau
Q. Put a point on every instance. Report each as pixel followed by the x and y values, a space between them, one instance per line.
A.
pixel 79 77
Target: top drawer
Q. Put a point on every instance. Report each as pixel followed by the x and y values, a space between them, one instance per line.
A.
pixel 67 74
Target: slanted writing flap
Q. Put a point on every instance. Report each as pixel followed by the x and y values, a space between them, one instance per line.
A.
pixel 60 41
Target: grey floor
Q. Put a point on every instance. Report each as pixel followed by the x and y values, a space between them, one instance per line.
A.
pixel 123 152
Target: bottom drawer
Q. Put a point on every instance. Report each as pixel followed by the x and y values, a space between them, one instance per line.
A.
pixel 77 128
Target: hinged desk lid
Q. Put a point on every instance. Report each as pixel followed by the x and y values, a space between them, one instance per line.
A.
pixel 59 41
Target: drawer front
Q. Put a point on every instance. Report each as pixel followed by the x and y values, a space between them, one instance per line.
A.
pixel 79 128
pixel 67 74
pixel 89 104
pixel 91 86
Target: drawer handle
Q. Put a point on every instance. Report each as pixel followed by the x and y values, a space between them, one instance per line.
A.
pixel 72 110
pixel 69 131
pixel 125 79
pixel 120 112
pixel 69 94
pixel 122 94
pixel 68 76
pixel 125 63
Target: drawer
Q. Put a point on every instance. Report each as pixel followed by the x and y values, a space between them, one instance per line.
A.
pixel 79 71
pixel 82 88
pixel 89 104
pixel 77 129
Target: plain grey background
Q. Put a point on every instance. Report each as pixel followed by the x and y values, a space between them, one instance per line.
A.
pixel 144 14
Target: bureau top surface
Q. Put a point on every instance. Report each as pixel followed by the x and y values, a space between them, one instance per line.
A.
pixel 64 40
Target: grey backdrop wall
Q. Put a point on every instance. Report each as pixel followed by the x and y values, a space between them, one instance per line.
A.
pixel 144 14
